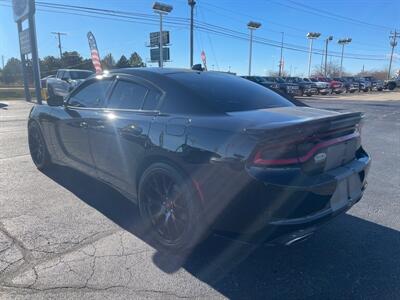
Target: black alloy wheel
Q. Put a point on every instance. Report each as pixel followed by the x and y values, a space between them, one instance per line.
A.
pixel 37 146
pixel 169 207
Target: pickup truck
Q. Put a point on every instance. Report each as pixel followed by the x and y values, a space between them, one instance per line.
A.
pixel 64 81
pixel 291 89
pixel 391 84
pixel 322 86
pixel 306 88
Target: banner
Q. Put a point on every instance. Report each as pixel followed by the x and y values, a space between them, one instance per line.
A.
pixel 94 52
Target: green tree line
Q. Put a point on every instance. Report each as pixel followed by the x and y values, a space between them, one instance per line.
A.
pixel 12 71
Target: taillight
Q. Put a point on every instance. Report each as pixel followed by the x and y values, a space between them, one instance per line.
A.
pixel 298 151
pixel 273 155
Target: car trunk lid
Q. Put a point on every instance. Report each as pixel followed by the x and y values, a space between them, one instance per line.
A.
pixel 317 140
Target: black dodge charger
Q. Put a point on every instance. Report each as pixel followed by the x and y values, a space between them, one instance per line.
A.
pixel 201 151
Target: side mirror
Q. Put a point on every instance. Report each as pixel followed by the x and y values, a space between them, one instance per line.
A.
pixel 55 101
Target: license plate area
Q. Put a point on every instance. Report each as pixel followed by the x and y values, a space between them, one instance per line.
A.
pixel 348 190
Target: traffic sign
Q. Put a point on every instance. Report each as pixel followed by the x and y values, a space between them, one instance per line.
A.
pixel 25 41
pixel 155 54
pixel 155 39
pixel 22 9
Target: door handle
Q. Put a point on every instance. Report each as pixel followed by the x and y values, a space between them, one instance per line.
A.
pixel 83 124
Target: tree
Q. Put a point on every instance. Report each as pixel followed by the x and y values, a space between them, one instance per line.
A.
pixel 276 74
pixel 71 60
pixel 12 71
pixel 378 74
pixel 49 65
pixel 136 61
pixel 332 70
pixel 108 62
pixel 123 62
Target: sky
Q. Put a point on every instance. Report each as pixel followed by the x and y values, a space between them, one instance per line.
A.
pixel 367 22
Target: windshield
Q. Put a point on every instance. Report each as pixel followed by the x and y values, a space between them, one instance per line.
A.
pixel 227 93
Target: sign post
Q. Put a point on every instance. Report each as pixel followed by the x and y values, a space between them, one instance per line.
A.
pixel 25 9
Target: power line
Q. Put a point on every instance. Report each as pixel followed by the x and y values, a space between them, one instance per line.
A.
pixel 330 14
pixel 318 12
pixel 203 26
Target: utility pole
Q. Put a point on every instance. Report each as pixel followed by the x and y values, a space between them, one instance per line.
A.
pixel 191 3
pixel 2 61
pixel 59 34
pixel 281 62
pixel 393 36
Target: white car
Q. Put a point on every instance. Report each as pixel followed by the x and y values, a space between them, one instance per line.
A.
pixel 65 80
pixel 323 87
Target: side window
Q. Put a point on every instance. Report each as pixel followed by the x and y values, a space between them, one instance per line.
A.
pixel 65 75
pixel 60 74
pixel 152 99
pixel 90 95
pixel 127 95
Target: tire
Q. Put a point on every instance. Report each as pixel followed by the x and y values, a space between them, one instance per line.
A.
pixel 51 92
pixel 391 86
pixel 37 147
pixel 170 208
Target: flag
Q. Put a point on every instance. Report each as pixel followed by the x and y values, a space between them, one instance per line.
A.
pixel 204 59
pixel 94 52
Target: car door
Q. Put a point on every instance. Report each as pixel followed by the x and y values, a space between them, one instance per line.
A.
pixel 72 140
pixel 119 134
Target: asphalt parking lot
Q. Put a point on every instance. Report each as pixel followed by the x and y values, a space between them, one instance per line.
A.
pixel 64 235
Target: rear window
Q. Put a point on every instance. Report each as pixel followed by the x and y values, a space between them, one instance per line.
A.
pixel 228 93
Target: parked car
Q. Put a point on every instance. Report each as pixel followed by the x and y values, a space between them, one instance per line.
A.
pixel 365 85
pixel 335 86
pixel 306 88
pixel 322 86
pixel 43 81
pixel 349 85
pixel 376 84
pixel 199 151
pixel 291 89
pixel 64 81
pixel 262 81
pixel 392 83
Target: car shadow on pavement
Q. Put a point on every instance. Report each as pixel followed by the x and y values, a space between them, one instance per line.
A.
pixel 348 258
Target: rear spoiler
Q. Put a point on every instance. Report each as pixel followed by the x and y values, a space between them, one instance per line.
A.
pixel 307 128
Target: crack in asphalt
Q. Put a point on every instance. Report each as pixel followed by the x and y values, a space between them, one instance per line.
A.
pixel 30 262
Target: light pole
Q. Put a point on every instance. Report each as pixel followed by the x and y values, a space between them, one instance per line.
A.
pixel 311 36
pixel 330 38
pixel 252 26
pixel 343 42
pixel 191 3
pixel 161 9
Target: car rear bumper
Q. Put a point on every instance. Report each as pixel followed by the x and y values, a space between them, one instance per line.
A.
pixel 276 205
pixel 311 91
